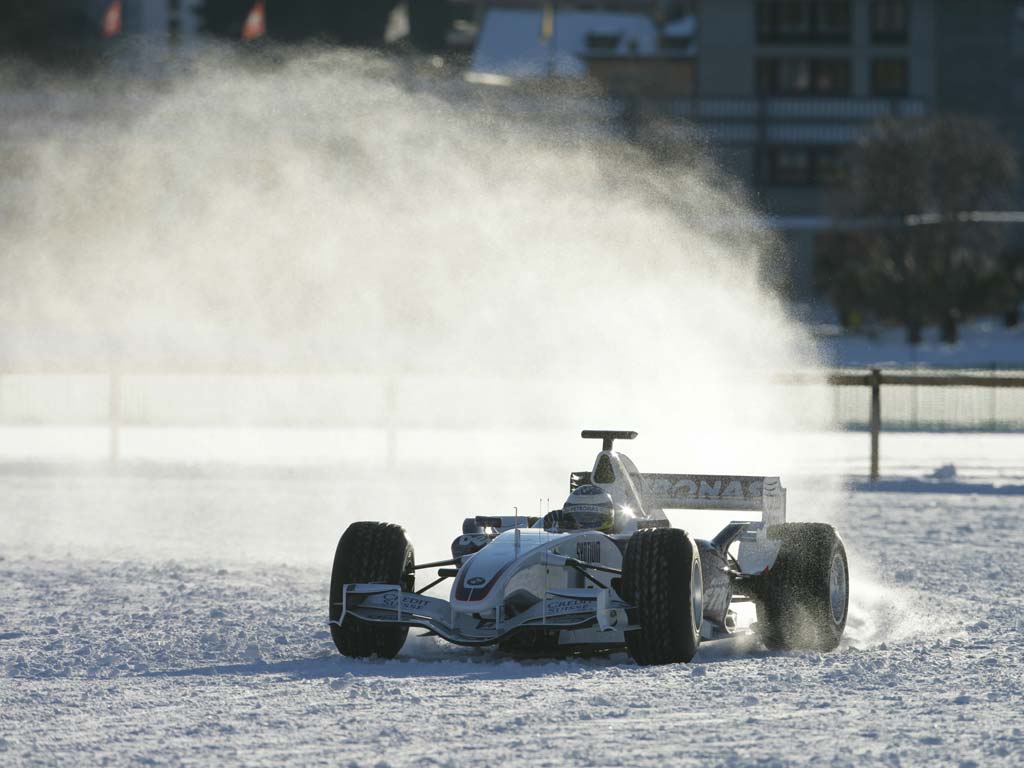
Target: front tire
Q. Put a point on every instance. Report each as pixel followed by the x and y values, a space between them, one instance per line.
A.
pixel 370 553
pixel 805 601
pixel 661 577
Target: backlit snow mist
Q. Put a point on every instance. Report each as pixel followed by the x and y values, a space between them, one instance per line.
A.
pixel 336 287
pixel 333 213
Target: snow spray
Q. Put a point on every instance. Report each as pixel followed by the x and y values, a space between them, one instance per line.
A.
pixel 507 257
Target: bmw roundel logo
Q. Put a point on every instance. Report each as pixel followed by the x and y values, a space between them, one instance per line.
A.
pixel 476 581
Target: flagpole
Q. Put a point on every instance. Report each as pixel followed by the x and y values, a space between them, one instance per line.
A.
pixel 547 32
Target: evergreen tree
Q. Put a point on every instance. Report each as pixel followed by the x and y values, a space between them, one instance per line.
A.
pixel 223 18
pixel 49 32
pixel 429 21
pixel 1010 286
pixel 350 22
pixel 358 22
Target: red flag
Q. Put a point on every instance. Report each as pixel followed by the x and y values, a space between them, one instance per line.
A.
pixel 111 26
pixel 255 23
pixel 547 21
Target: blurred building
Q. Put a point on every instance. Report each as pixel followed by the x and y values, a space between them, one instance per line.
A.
pixel 629 45
pixel 171 20
pixel 786 86
pixel 811 75
pixel 781 87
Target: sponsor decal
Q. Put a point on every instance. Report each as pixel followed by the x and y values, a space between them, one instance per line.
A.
pixel 705 488
pixel 588 551
pixel 409 602
pixel 559 607
pixel 476 581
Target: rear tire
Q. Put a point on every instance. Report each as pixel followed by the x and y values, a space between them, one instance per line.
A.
pixel 805 601
pixel 661 577
pixel 370 553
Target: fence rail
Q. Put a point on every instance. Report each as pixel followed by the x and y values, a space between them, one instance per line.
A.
pixel 876 378
pixel 917 399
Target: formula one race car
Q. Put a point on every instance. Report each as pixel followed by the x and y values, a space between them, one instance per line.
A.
pixel 605 571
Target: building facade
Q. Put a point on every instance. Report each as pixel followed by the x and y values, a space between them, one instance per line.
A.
pixel 783 87
pixel 160 20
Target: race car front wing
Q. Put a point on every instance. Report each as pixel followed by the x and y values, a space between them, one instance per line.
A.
pixel 560 609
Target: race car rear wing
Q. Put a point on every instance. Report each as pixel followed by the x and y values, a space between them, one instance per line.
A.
pixel 739 493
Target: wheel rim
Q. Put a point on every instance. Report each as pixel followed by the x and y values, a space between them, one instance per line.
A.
pixel 697 596
pixel 837 588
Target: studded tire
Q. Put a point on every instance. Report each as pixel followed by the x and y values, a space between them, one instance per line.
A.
pixel 661 577
pixel 805 597
pixel 370 553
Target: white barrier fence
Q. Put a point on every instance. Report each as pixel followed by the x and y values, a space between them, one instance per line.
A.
pixel 953 400
pixel 379 407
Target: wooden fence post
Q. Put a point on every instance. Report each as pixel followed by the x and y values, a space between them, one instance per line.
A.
pixel 876 418
pixel 114 413
pixel 993 410
pixel 390 419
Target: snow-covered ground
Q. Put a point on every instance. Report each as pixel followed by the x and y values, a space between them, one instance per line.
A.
pixel 170 615
pixel 982 344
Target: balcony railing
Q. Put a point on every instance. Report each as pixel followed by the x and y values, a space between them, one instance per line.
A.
pixel 817 109
pixel 729 120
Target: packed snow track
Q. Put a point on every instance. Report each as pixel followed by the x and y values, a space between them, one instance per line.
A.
pixel 169 617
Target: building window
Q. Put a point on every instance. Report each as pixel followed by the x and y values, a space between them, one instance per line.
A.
pixel 803 77
pixel 673 10
pixel 675 43
pixel 803 21
pixel 829 165
pixel 830 76
pixel 832 21
pixel 890 21
pixel 1017 94
pixel 799 166
pixel 604 42
pixel 890 77
pixel 789 166
pixel 791 19
pixel 1017 33
pixel 791 76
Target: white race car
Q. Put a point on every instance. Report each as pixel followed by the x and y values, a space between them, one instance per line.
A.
pixel 605 571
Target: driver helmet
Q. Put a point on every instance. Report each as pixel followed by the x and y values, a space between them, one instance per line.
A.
pixel 587 508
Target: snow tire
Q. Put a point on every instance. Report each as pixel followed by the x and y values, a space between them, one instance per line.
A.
pixel 661 577
pixel 804 602
pixel 370 553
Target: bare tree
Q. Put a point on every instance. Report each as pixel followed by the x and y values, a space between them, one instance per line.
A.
pixel 429 21
pixel 60 33
pixel 913 251
pixel 1010 286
